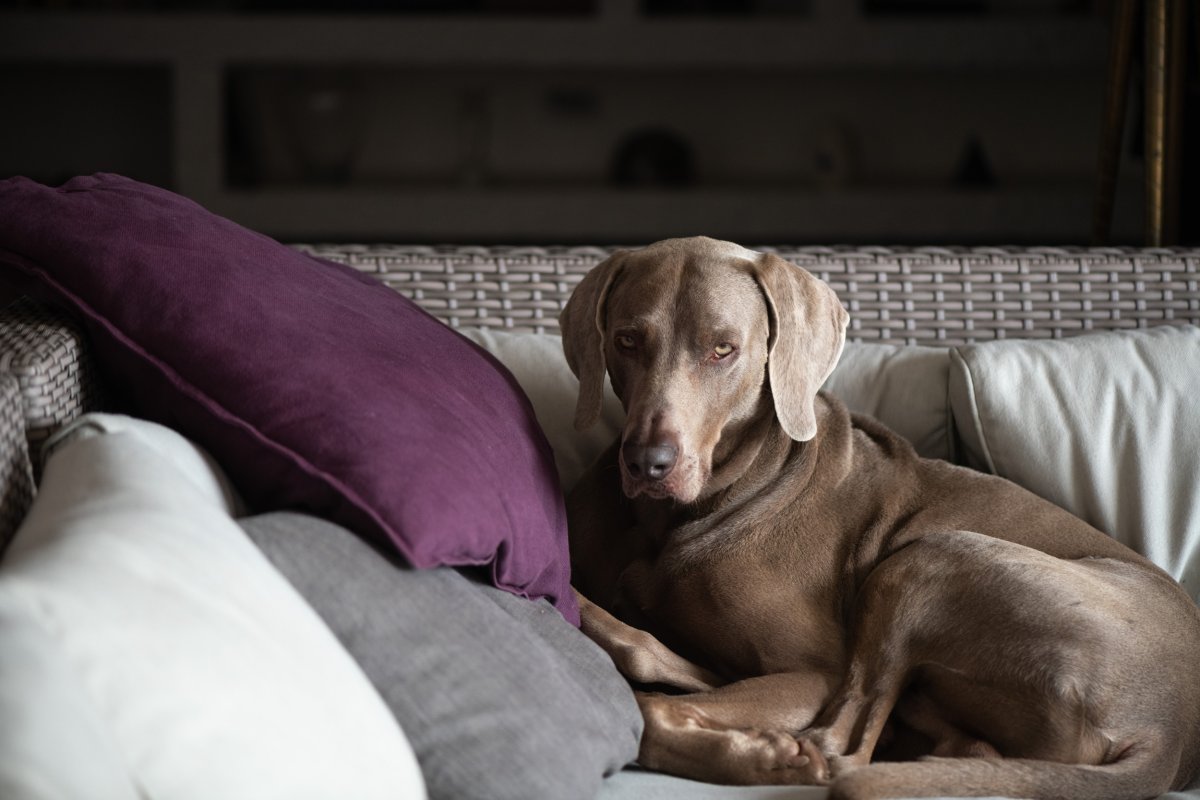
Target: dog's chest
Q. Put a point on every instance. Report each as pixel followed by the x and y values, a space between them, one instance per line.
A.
pixel 739 587
pixel 745 617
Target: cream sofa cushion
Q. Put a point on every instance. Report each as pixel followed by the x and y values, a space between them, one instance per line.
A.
pixel 536 360
pixel 178 645
pixel 1105 425
pixel 905 387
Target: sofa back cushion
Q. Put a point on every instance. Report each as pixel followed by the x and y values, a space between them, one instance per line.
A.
pixel 905 387
pixel 1103 425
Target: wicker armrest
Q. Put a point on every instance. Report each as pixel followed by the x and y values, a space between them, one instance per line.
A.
pixel 16 472
pixel 47 354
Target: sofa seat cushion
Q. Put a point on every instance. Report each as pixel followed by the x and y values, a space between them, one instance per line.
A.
pixel 151 628
pixel 501 697
pixel 315 385
pixel 1103 425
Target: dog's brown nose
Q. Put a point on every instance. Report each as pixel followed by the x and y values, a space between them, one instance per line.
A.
pixel 654 462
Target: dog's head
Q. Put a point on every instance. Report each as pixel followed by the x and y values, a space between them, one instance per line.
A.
pixel 699 337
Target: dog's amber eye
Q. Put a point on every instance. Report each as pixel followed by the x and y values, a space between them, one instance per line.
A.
pixel 625 341
pixel 722 350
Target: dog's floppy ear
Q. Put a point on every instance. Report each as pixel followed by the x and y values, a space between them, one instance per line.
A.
pixel 582 323
pixel 808 330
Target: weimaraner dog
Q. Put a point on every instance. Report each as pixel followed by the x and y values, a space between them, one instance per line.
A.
pixel 826 607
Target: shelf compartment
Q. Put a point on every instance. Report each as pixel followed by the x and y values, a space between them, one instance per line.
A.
pixel 608 41
pixel 1042 214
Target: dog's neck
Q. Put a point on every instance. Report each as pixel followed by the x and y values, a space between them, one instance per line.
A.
pixel 751 458
pixel 745 458
pixel 750 464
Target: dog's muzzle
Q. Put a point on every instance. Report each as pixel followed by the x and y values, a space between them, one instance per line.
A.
pixel 648 469
pixel 654 462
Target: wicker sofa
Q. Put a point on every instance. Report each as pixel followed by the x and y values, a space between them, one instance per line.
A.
pixel 955 303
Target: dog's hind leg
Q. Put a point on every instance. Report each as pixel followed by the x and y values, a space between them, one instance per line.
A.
pixel 1004 654
pixel 1136 773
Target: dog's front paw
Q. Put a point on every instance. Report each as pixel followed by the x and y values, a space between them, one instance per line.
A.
pixel 817 766
pixel 779 757
pixel 681 738
pixel 824 744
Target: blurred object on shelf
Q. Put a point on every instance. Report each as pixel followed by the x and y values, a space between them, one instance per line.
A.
pixel 835 158
pixel 699 7
pixel 974 168
pixel 325 114
pixel 476 134
pixel 654 157
pixel 784 7
pixel 358 6
pixel 576 102
pixel 547 7
pixel 921 7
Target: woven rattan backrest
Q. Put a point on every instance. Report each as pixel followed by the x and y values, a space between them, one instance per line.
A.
pixel 941 296
pixel 903 296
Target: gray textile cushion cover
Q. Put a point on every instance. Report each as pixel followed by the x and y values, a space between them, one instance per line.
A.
pixel 499 695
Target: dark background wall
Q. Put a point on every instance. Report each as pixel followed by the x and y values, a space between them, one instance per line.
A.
pixel 586 121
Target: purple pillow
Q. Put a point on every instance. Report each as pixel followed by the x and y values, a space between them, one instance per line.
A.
pixel 315 386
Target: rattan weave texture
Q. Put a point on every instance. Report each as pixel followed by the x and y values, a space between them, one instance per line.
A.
pixel 930 295
pixel 47 355
pixel 938 296
pixel 16 473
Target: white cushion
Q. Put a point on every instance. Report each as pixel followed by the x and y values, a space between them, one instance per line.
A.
pixel 905 387
pixel 210 674
pixel 536 360
pixel 1104 425
pixel 54 743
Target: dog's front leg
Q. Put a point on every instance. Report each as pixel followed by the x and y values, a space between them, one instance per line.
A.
pixel 744 732
pixel 640 656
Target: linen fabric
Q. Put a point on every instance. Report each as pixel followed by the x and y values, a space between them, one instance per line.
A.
pixel 148 625
pixel 316 386
pixel 500 697
pixel 537 361
pixel 54 742
pixel 1103 425
pixel 903 387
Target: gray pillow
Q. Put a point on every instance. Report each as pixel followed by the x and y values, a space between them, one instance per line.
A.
pixel 499 695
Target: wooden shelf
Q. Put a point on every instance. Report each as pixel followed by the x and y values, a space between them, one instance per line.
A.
pixel 1030 213
pixel 198 51
pixel 600 42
